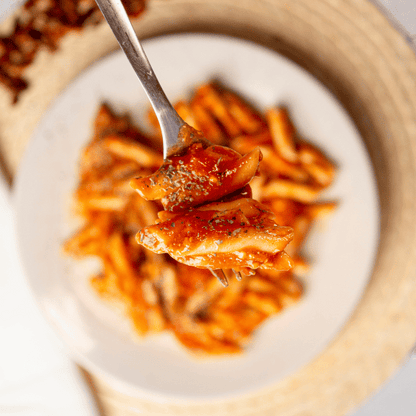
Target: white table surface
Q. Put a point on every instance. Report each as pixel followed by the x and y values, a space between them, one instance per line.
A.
pixel 398 395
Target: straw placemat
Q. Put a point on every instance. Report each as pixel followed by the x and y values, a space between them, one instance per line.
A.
pixel 351 47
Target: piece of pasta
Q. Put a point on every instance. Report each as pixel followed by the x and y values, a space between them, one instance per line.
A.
pixel 200 174
pixel 235 235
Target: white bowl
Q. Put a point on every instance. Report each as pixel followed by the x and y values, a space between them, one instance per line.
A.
pixel 342 252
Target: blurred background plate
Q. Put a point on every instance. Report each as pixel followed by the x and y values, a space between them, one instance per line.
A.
pixel 101 340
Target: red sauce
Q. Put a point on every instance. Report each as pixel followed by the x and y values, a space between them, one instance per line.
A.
pixel 198 174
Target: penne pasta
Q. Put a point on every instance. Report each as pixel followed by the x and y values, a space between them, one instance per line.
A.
pixel 159 294
pixel 133 151
pixel 282 133
pixel 211 99
pixel 283 188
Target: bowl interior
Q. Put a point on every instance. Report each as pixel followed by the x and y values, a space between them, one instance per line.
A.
pixel 342 252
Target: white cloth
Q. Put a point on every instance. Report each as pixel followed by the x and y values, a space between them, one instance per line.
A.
pixel 36 377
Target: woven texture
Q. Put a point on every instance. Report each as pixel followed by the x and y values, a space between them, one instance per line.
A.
pixel 352 48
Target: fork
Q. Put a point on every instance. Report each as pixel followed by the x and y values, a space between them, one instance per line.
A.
pixel 169 120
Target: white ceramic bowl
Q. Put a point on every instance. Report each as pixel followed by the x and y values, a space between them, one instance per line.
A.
pixel 342 251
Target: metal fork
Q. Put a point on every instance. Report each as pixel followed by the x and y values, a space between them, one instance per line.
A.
pixel 169 120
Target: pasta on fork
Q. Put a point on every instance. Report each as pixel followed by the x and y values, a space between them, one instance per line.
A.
pixel 210 220
pixel 200 174
pixel 240 235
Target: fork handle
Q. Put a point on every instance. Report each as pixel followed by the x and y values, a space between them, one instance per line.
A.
pixel 119 22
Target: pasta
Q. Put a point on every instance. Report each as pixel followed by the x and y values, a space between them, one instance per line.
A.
pixel 238 235
pixel 235 233
pixel 160 294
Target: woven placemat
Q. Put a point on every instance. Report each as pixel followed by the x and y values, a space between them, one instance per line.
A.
pixel 351 47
